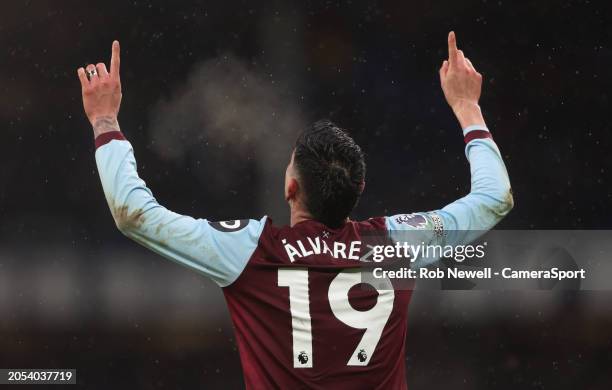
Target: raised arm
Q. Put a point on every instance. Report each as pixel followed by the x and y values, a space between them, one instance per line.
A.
pixel 490 197
pixel 218 250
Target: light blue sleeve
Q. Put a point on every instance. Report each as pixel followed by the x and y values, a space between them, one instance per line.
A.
pixel 219 250
pixel 464 220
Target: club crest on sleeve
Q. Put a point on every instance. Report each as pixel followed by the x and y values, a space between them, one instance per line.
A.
pixel 417 221
pixel 229 226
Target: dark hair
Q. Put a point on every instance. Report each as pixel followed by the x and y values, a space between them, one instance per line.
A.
pixel 331 170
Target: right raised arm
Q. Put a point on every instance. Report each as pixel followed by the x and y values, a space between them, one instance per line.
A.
pixel 490 198
pixel 219 250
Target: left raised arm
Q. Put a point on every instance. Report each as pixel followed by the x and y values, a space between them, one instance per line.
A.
pixel 218 250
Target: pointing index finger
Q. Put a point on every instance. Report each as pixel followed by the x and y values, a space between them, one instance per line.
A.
pixel 452 48
pixel 115 60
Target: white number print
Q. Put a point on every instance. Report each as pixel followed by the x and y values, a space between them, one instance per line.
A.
pixel 299 304
pixel 230 224
pixel 372 320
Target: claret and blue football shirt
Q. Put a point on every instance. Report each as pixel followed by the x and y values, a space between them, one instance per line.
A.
pixel 299 317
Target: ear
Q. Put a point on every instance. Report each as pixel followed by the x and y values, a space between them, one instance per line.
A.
pixel 292 189
pixel 361 187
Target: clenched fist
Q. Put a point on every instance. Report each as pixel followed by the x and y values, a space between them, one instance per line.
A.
pixel 461 84
pixel 102 93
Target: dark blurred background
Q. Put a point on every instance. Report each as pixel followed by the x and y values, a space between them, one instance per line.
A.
pixel 214 94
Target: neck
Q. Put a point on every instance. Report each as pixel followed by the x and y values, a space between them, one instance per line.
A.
pixel 299 215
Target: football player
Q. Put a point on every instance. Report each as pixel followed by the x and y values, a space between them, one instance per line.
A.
pixel 299 319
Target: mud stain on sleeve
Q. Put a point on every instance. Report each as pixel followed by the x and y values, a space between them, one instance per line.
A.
pixel 126 220
pixel 158 229
pixel 503 208
pixel 509 199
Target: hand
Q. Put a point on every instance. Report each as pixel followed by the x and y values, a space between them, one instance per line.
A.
pixel 102 93
pixel 461 84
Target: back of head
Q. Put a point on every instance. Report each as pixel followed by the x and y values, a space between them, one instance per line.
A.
pixel 331 171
